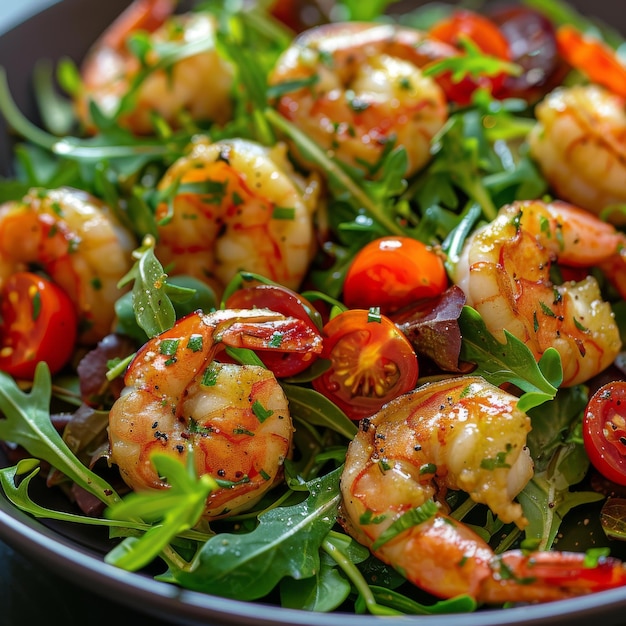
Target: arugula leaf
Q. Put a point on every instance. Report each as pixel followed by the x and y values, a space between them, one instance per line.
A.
pixel 175 510
pixel 285 543
pixel 473 63
pixel 27 423
pixel 555 424
pixel 325 591
pixel 511 362
pixel 314 408
pixel 154 310
pixel 546 502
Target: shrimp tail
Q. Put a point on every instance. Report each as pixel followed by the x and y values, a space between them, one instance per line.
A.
pixel 544 576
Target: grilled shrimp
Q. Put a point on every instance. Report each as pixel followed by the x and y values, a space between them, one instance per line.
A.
pixel 78 242
pixel 197 85
pixel 235 417
pixel 355 87
pixel 504 271
pixel 237 206
pixel 462 434
pixel 579 143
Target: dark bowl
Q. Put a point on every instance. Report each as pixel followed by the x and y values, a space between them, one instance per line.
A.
pixel 67 28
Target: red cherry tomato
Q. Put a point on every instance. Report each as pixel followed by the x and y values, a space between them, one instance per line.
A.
pixel 486 35
pixel 592 57
pixel 39 323
pixel 604 431
pixel 282 300
pixel 393 272
pixel 372 362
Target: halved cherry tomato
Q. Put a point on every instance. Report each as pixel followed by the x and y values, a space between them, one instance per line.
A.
pixel 593 58
pixel 39 323
pixel 604 431
pixel 372 362
pixel 393 272
pixel 488 38
pixel 288 302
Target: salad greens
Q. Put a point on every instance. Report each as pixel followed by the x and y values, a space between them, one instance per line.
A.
pixel 290 543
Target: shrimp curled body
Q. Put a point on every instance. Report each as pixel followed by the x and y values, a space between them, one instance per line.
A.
pixel 78 242
pixel 465 434
pixel 196 83
pixel 235 418
pixel 359 87
pixel 579 143
pixel 504 271
pixel 237 206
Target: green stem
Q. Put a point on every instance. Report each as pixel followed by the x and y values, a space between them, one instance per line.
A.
pixel 334 172
pixel 17 121
pixel 355 577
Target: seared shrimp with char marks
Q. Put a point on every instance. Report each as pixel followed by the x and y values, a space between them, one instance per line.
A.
pixel 237 206
pixel 465 434
pixel 357 87
pixel 504 271
pixel 235 417
pixel 579 143
pixel 194 85
pixel 78 242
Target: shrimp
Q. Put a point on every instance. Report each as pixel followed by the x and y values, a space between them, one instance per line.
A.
pixel 198 85
pixel 504 271
pixel 359 87
pixel 244 209
pixel 462 434
pixel 78 242
pixel 579 143
pixel 235 418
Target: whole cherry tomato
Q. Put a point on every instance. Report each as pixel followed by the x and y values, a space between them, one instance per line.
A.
pixel 39 323
pixel 288 302
pixel 393 272
pixel 486 35
pixel 604 431
pixel 372 362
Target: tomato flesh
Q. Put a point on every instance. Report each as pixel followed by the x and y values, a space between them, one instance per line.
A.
pixel 372 362
pixel 393 272
pixel 39 323
pixel 604 431
pixel 288 302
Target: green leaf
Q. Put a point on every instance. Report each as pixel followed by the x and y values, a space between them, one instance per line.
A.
pixel 552 424
pixel 545 504
pixel 285 543
pixel 27 423
pixel 408 606
pixel 314 408
pixel 173 511
pixel 510 362
pixel 323 592
pixel 153 308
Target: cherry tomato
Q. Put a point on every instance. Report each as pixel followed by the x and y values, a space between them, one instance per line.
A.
pixel 486 35
pixel 393 272
pixel 592 57
pixel 372 362
pixel 282 300
pixel 604 431
pixel 39 323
